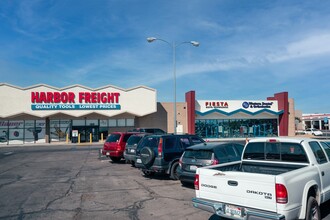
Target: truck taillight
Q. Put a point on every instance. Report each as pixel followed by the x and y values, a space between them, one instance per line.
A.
pixel 196 182
pixel 160 147
pixel 281 194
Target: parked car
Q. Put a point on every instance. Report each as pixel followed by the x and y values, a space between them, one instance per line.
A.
pixel 161 153
pixel 313 131
pixel 114 145
pixel 206 154
pixel 131 145
pixel 150 130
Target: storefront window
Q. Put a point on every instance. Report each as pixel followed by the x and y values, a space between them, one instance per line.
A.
pixel 103 123
pixel 34 131
pixel 60 128
pixel 78 122
pixel 4 131
pixel 121 122
pixel 236 128
pixel 112 123
pixel 130 122
pixel 16 131
pixel 30 131
pixel 92 122
pixel 200 128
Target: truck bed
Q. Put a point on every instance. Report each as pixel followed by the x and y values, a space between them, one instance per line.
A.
pixel 260 167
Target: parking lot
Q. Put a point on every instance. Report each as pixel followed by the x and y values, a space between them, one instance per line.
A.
pixel 71 182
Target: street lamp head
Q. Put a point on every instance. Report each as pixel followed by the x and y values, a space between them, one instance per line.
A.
pixel 151 39
pixel 194 43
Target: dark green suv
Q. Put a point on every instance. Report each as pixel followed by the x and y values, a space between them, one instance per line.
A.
pixel 161 153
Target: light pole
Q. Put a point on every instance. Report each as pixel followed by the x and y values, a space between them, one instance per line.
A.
pixel 174 46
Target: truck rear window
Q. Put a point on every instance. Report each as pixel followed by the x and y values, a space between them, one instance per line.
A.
pixel 289 152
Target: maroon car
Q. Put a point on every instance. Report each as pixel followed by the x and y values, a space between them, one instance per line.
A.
pixel 114 146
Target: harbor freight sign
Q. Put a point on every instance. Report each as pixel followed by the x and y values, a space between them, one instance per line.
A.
pixel 75 101
pixel 75 107
pixel 71 101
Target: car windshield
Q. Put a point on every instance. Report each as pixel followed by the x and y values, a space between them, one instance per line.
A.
pixel 198 154
pixel 113 138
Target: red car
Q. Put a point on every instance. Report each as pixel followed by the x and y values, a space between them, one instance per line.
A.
pixel 114 146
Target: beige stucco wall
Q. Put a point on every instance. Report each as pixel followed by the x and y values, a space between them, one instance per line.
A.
pixel 291 129
pixel 154 120
pixel 164 117
pixel 299 125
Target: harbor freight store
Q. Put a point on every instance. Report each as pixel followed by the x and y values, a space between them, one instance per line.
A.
pixel 43 113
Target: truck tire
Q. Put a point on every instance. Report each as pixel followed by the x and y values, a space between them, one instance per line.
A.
pixel 174 171
pixel 313 210
pixel 147 156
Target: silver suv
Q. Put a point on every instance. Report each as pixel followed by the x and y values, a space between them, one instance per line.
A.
pixel 204 155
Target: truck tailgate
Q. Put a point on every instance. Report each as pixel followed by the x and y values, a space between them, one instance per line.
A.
pixel 238 188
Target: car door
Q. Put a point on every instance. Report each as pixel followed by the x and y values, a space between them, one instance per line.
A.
pixel 170 146
pixel 323 165
pixel 326 177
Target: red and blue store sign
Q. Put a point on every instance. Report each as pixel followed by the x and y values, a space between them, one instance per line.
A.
pixel 67 101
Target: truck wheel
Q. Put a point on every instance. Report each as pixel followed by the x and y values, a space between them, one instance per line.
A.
pixel 313 210
pixel 174 171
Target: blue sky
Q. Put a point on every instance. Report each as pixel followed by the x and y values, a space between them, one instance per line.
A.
pixel 248 50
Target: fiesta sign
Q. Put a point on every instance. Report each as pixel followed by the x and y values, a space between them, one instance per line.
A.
pixel 213 104
pixel 69 101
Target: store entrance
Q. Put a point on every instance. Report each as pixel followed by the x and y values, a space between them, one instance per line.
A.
pixel 86 131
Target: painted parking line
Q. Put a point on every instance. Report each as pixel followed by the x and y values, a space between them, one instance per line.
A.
pixel 8 153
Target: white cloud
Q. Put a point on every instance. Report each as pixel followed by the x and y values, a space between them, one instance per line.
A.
pixel 316 45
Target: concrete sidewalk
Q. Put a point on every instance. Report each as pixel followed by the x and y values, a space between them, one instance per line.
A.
pixel 60 143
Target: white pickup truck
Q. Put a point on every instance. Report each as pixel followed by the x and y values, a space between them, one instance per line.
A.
pixel 277 178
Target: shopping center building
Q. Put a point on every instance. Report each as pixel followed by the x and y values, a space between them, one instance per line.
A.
pixel 43 114
pixel 317 121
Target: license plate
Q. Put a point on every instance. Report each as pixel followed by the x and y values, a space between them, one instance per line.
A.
pixel 234 211
pixel 193 168
pixel 132 150
pixel 138 160
pixel 108 153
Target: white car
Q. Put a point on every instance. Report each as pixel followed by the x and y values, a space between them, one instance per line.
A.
pixel 313 131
